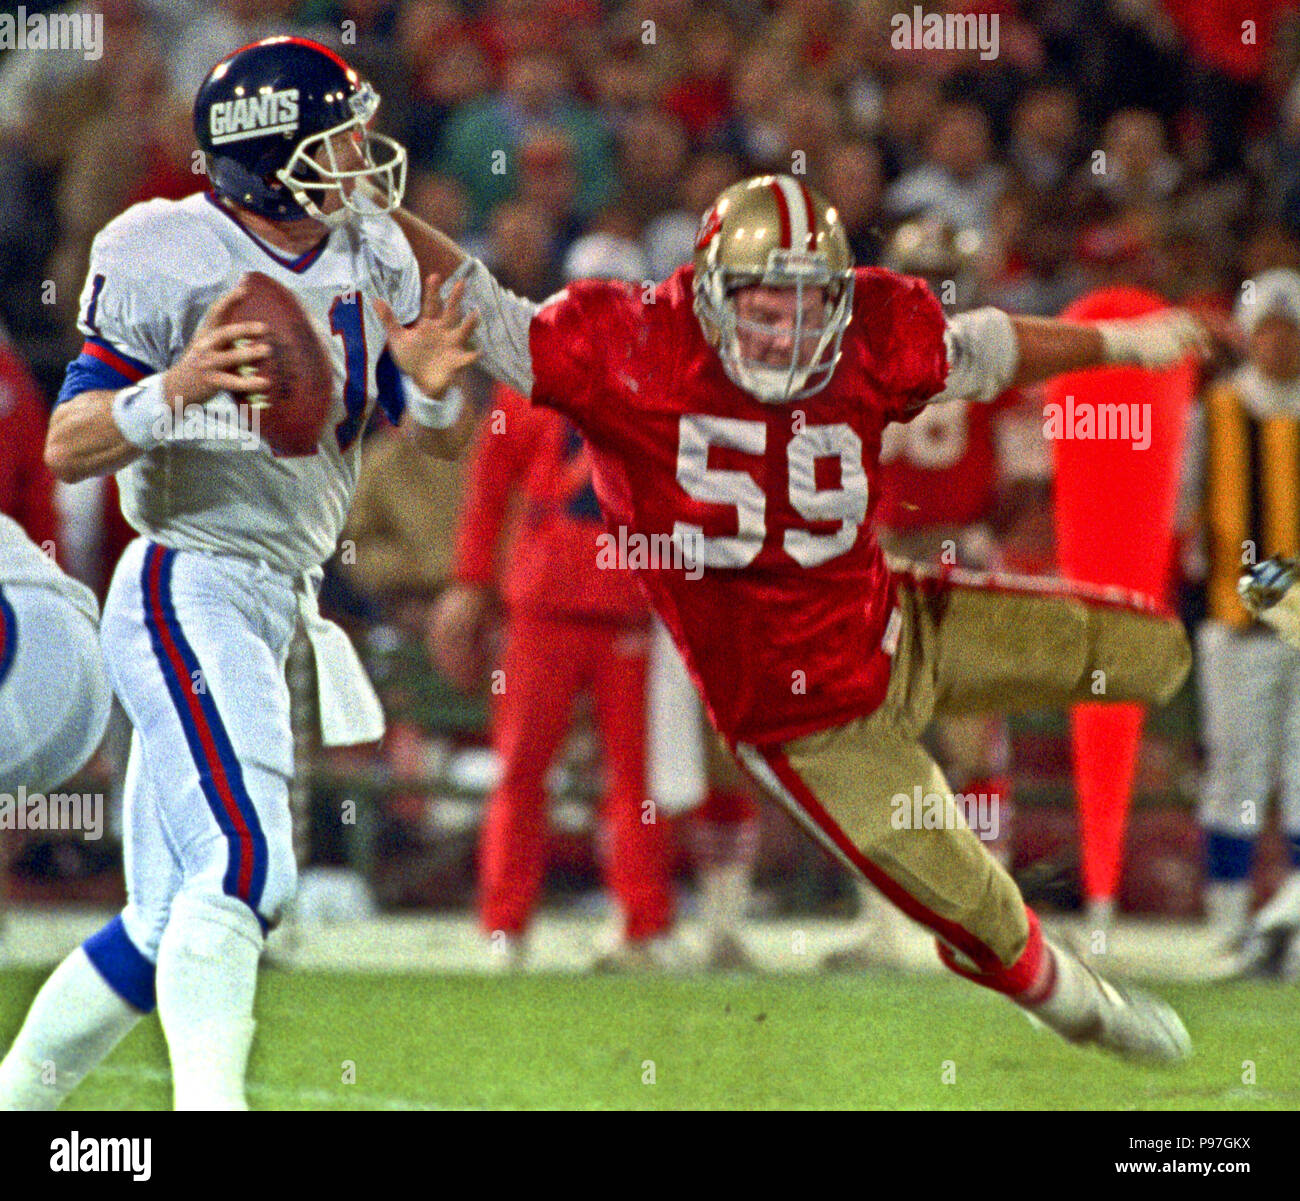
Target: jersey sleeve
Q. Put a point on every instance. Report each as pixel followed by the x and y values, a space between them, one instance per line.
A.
pixel 904 329
pixel 394 273
pixel 146 270
pixel 577 338
pixel 394 276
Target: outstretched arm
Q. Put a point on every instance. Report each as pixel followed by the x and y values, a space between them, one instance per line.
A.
pixel 504 318
pixel 990 351
pixel 436 253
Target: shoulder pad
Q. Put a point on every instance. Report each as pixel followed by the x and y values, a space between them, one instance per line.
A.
pixel 167 240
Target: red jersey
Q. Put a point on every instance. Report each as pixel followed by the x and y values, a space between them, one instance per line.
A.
pixel 1214 32
pixel 554 563
pixel 26 485
pixel 786 626
pixel 942 468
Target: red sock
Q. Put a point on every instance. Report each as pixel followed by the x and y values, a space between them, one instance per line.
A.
pixel 1028 981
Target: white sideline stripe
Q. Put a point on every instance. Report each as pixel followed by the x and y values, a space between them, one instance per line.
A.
pixel 272 1092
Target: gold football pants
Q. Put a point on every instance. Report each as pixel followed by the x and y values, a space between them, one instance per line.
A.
pixel 871 794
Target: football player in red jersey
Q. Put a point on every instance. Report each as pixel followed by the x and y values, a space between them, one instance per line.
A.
pixel 734 415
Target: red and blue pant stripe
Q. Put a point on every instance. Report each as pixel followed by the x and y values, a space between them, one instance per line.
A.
pixel 8 636
pixel 220 776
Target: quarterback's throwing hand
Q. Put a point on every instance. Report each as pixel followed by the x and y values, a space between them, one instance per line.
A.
pixel 434 347
pixel 211 362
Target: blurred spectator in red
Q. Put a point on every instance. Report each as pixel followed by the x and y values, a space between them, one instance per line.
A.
pixel 510 28
pixel 701 98
pixel 482 139
pixel 808 31
pixel 26 485
pixel 1228 44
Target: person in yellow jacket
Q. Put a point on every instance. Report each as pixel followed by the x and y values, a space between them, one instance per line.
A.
pixel 1243 480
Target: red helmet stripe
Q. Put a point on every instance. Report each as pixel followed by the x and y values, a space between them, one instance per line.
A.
pixel 783 208
pixel 296 41
pixel 809 214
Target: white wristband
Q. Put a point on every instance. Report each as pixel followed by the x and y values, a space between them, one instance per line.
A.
pixel 983 355
pixel 434 413
pixel 142 414
pixel 1156 340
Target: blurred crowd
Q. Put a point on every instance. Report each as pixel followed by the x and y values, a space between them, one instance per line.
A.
pixel 1149 141
pixel 1152 142
pixel 1155 140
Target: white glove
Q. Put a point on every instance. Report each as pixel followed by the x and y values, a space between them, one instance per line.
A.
pixel 1156 340
pixel 1271 591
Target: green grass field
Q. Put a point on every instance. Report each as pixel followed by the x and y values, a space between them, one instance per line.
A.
pixel 546 1042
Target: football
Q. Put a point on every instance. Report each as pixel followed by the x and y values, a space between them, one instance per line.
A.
pixel 291 415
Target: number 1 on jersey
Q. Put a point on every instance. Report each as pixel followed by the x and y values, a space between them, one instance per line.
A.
pixel 346 321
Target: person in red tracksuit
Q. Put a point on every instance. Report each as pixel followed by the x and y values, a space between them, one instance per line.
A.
pixel 571 627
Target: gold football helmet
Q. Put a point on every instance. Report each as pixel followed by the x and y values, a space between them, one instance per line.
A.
pixel 940 252
pixel 775 231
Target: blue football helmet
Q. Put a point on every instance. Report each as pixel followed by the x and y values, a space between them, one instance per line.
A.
pixel 274 120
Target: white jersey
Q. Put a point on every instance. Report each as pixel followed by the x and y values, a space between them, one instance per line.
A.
pixel 23 562
pixel 154 271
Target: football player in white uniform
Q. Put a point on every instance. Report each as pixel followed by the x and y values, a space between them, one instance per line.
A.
pixel 198 620
pixel 50 723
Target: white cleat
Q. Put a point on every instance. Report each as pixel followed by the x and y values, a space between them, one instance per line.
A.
pixel 1122 1020
pixel 504 954
pixel 1270 954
